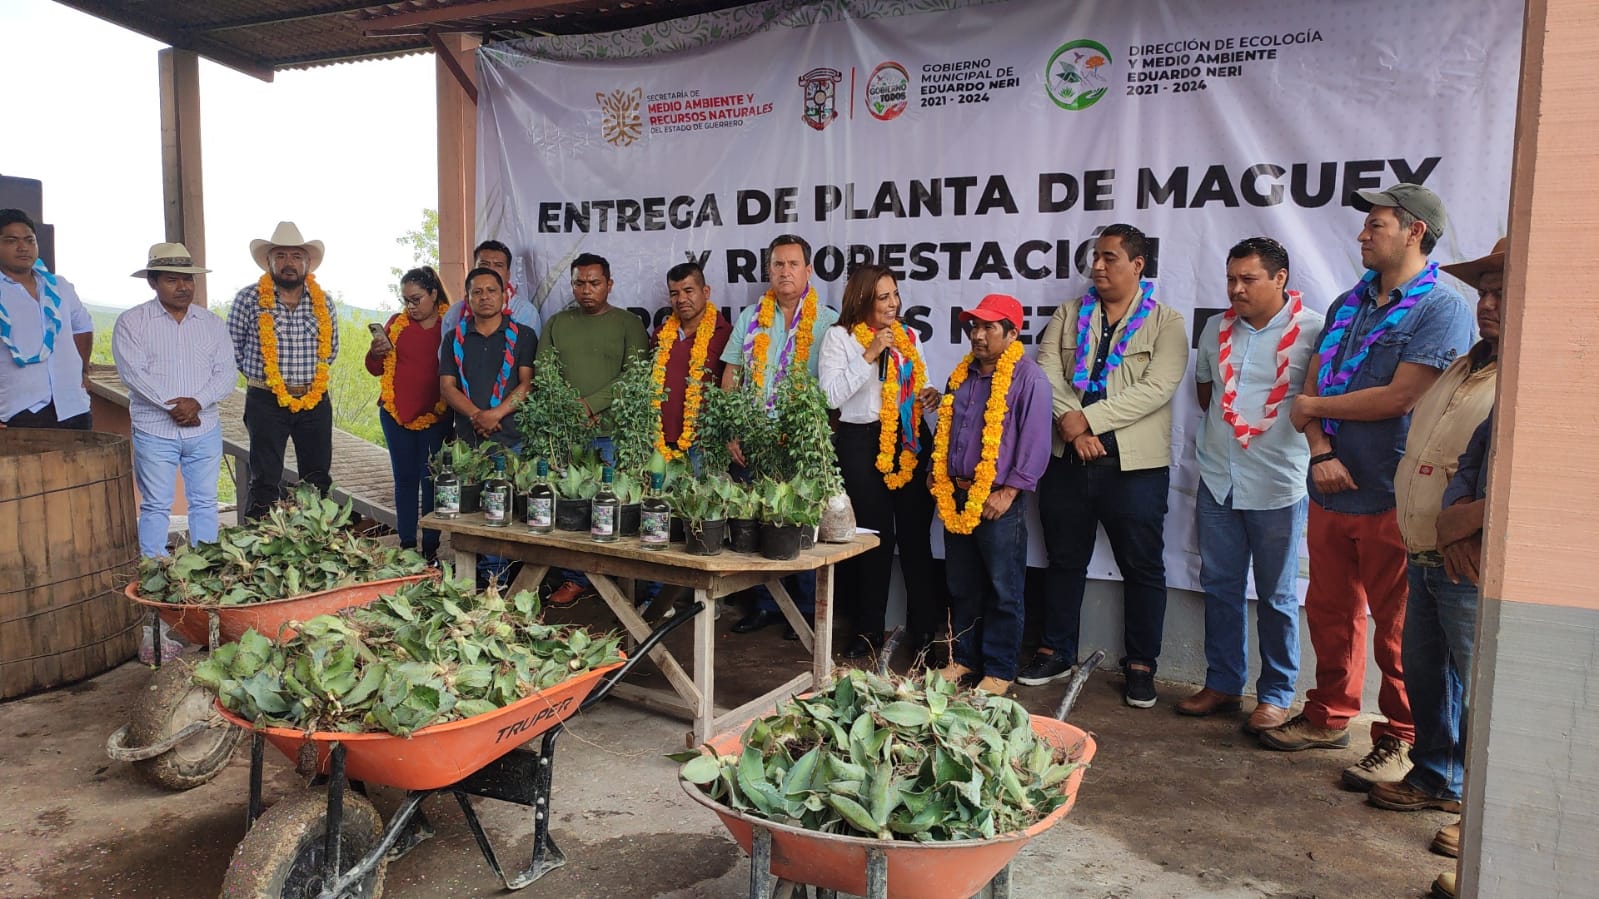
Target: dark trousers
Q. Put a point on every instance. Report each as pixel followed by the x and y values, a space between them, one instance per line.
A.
pixel 46 418
pixel 271 427
pixel 902 518
pixel 987 575
pixel 1074 500
pixel 409 452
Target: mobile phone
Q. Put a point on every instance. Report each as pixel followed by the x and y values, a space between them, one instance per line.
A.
pixel 378 335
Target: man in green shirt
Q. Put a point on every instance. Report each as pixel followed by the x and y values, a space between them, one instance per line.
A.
pixel 594 340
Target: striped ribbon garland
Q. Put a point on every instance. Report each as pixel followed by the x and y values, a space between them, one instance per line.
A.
pixel 1330 382
pixel 457 346
pixel 50 308
pixel 1081 378
pixel 1243 431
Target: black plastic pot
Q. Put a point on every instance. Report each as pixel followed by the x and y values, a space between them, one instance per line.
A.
pixel 572 515
pixel 744 535
pixel 628 519
pixel 704 539
pixel 780 542
pixel 676 535
pixel 518 507
pixel 471 498
pixel 807 537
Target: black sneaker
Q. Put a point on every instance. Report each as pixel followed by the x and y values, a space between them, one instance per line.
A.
pixel 1140 690
pixel 1046 668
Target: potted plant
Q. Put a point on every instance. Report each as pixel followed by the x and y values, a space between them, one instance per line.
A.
pixel 575 487
pixel 472 466
pixel 743 518
pixel 635 418
pixel 704 511
pixel 786 514
pixel 552 419
pixel 629 490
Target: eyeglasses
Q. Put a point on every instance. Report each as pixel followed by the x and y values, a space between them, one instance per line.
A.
pixel 29 241
pixel 413 301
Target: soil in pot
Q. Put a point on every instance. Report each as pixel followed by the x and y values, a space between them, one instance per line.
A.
pixel 744 535
pixel 572 514
pixel 628 519
pixel 706 539
pixel 780 542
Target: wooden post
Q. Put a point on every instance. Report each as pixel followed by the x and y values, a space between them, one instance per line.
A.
pixel 457 124
pixel 182 192
pixel 1533 745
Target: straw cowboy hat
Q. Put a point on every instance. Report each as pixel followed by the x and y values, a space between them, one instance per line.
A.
pixel 170 257
pixel 1472 272
pixel 286 235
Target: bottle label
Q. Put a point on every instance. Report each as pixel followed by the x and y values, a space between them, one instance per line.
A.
pixel 655 527
pixel 448 498
pixel 604 523
pixel 494 505
pixel 540 512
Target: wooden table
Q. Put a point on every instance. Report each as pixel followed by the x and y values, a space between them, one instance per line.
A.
pixel 710 577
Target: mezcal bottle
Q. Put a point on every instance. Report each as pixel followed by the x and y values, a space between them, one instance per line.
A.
pixel 605 510
pixel 541 502
pixel 497 497
pixel 447 493
pixel 655 515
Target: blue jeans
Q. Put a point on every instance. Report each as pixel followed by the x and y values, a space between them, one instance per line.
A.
pixel 409 452
pixel 156 462
pixel 1440 625
pixel 1229 539
pixel 1074 499
pixel 987 575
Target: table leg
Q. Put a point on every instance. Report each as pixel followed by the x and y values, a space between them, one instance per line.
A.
pixel 791 613
pixel 466 566
pixel 822 653
pixel 529 578
pixel 622 608
pixel 704 669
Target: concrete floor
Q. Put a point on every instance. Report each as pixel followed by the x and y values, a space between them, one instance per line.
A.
pixel 1173 807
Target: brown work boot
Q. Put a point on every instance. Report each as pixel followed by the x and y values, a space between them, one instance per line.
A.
pixel 1444 886
pixel 1400 796
pixel 1447 840
pixel 1208 702
pixel 993 686
pixel 954 672
pixel 1387 762
pixel 1300 734
pixel 1265 717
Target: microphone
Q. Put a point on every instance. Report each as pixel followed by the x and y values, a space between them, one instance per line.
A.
pixel 882 366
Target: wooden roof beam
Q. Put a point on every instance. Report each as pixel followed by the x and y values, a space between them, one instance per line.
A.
pixel 280 18
pixel 379 25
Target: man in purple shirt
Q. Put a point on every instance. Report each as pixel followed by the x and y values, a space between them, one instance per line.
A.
pixel 987 566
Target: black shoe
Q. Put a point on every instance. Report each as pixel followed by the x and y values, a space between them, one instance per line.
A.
pixel 756 620
pixel 1046 668
pixel 1140 690
pixel 863 646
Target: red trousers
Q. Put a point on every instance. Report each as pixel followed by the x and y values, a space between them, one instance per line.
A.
pixel 1357 562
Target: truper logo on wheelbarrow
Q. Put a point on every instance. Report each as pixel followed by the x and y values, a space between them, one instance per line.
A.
pixel 549 711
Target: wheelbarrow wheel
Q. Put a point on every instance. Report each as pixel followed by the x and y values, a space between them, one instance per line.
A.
pixel 172 702
pixel 282 856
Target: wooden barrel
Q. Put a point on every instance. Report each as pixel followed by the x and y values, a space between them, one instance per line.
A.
pixel 69 543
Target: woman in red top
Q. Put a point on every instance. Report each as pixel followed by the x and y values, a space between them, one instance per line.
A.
pixel 405 357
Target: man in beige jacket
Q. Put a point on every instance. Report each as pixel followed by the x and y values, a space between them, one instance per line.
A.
pixel 1114 358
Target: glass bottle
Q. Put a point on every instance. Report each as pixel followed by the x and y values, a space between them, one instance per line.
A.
pixel 497 497
pixel 655 515
pixel 447 493
pixel 605 510
pixel 541 502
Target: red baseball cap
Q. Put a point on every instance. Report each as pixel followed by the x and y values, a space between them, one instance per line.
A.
pixel 995 307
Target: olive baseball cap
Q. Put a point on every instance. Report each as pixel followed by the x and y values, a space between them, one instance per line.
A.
pixel 1414 199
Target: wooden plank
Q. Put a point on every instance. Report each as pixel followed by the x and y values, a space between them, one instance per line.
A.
pixel 529 578
pixel 663 701
pixel 465 565
pixel 705 668
pixel 760 705
pixel 822 655
pixel 791 614
pixel 663 658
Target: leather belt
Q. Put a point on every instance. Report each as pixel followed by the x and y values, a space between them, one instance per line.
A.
pixel 293 389
pixel 1428 559
pixel 962 483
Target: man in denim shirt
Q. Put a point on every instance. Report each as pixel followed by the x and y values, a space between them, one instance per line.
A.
pixel 1384 344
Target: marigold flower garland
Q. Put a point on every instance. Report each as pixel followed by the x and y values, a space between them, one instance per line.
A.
pixel 696 384
pixel 802 334
pixel 266 329
pixel 889 415
pixel 386 380
pixel 967 518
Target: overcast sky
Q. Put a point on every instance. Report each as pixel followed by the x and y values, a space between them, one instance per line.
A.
pixel 347 152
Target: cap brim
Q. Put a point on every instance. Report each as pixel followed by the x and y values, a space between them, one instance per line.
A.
pixel 987 315
pixel 175 269
pixel 1378 198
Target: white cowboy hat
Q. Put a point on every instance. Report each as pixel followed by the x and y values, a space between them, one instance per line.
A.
pixel 286 235
pixel 170 257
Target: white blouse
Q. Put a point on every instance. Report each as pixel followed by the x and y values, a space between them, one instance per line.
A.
pixel 848 380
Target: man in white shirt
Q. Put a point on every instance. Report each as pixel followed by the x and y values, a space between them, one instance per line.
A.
pixel 1251 502
pixel 46 336
pixel 177 362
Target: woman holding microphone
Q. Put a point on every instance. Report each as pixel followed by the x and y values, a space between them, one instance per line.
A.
pixel 405 357
pixel 873 374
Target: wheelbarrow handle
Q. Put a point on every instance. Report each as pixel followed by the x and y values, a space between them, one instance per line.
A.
pixel 1075 686
pixel 669 624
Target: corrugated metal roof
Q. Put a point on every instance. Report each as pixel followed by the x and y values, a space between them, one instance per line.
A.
pixel 260 37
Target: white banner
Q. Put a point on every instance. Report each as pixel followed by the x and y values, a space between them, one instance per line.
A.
pixel 978 147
